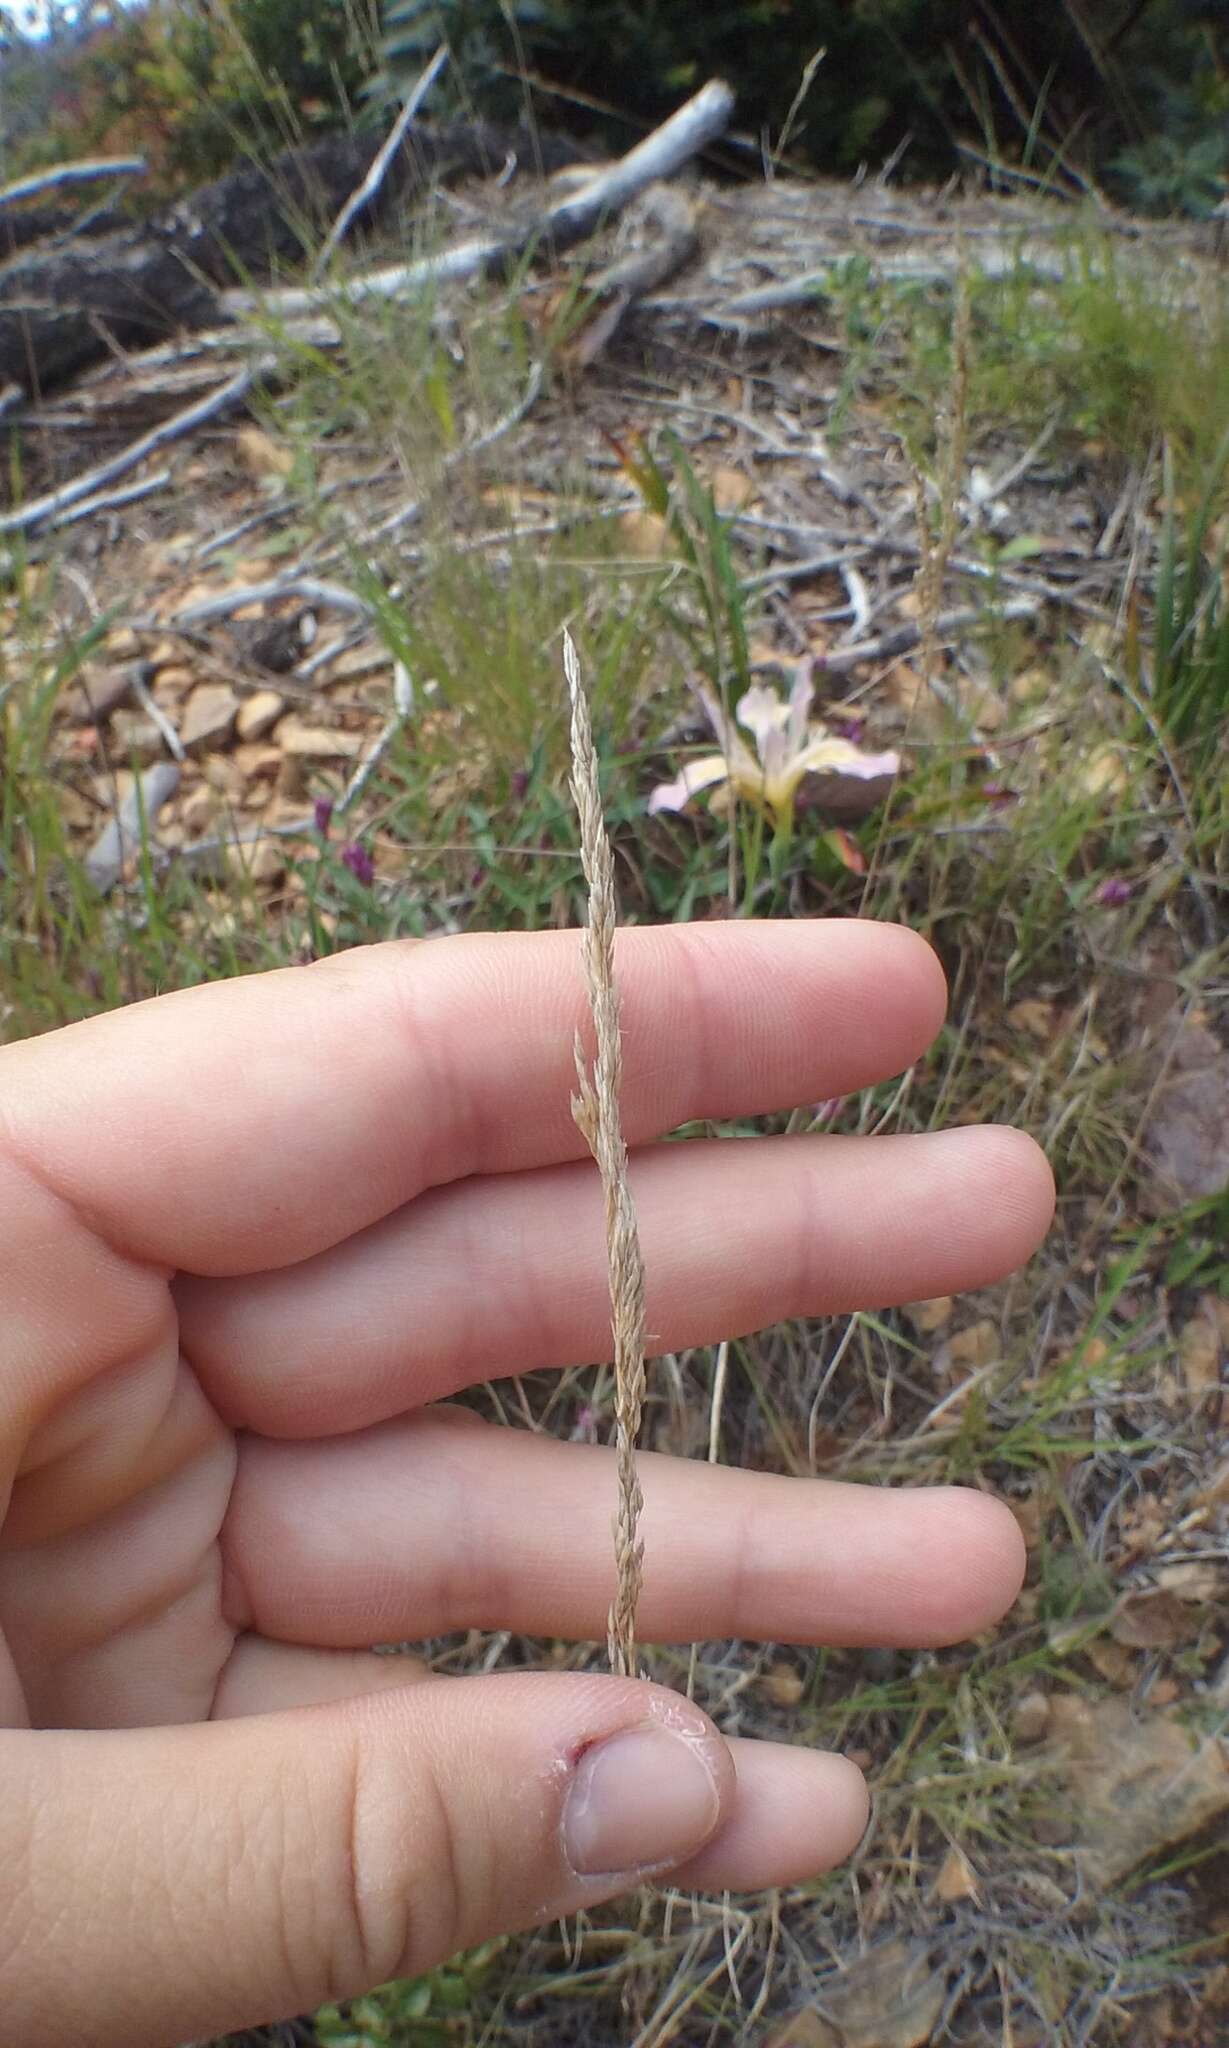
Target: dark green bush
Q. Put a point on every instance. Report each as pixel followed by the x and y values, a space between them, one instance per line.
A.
pixel 1133 94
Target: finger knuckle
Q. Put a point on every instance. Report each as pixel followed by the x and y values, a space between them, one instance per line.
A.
pixel 399 1877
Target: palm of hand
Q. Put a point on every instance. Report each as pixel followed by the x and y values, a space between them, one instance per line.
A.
pixel 254 1230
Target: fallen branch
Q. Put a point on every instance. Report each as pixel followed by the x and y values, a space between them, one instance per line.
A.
pixel 38 511
pixel 902 639
pixel 307 587
pixel 371 184
pixel 67 306
pixel 660 155
pixel 85 173
pixel 623 283
pixel 111 501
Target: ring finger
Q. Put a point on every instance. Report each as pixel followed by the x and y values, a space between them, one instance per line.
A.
pixel 441 1522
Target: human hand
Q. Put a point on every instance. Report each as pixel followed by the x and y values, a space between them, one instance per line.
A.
pixel 249 1232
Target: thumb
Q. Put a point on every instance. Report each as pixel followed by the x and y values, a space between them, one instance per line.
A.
pixel 159 1885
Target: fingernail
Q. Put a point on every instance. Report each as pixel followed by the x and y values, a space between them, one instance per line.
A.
pixel 639 1799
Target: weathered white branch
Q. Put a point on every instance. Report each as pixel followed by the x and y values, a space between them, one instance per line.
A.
pixel 660 155
pixel 310 588
pixel 39 511
pixel 84 173
pixel 383 158
pixel 112 501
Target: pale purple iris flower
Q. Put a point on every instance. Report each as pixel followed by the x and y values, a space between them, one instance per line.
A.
pixel 788 746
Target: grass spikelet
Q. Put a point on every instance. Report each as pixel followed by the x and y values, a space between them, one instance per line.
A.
pixel 595 1106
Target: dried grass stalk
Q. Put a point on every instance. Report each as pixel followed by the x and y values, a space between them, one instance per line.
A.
pixel 595 1107
pixel 952 436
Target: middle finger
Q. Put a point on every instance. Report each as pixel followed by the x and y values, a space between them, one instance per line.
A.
pixel 504 1274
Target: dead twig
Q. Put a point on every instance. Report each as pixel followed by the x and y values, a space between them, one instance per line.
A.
pixel 156 715
pixel 384 155
pixel 110 501
pixel 626 281
pixel 309 588
pixel 87 172
pixel 403 705
pixel 902 638
pixel 38 511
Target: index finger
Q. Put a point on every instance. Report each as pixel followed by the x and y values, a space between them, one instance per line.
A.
pixel 249 1124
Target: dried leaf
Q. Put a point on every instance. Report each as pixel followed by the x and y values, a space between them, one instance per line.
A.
pixel 1199 1582
pixel 783 1685
pixel 927 1316
pixel 955 1880
pixel 731 489
pixel 891 1997
pixel 1187 1135
pixel 1152 1621
pixel 1138 1786
pixel 804 2029
pixel 260 454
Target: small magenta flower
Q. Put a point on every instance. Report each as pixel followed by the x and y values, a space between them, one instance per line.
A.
pixel 322 814
pixel 584 1429
pixel 998 794
pixel 359 862
pixel 1114 891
